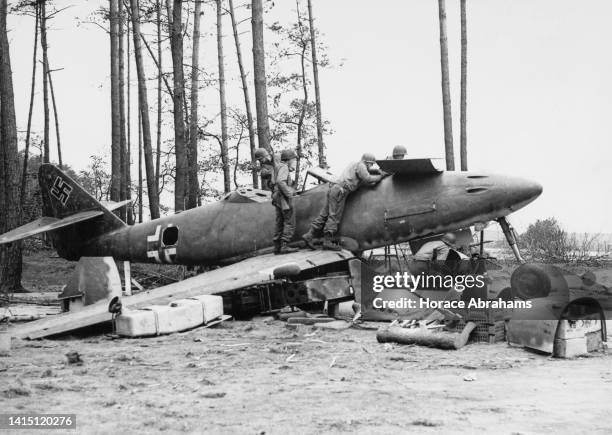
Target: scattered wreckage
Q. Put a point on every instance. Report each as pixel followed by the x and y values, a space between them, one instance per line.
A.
pixel 417 200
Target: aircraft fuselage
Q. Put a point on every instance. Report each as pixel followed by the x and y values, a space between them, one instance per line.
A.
pixel 399 208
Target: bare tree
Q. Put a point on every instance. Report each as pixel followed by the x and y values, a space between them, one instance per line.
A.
pixel 144 113
pixel 123 158
pixel 245 91
pixel 55 117
pixel 446 98
pixel 463 139
pixel 176 47
pixel 224 149
pixel 128 151
pixel 115 190
pixel 26 152
pixel 303 45
pixel 259 67
pixel 140 191
pixel 315 74
pixel 194 185
pixel 160 74
pixel 10 255
pixel 43 41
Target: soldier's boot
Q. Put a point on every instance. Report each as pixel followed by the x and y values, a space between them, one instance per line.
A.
pixel 284 249
pixel 329 243
pixel 309 239
pixel 277 247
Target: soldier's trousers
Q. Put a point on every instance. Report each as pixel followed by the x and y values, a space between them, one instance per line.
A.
pixel 330 215
pixel 285 225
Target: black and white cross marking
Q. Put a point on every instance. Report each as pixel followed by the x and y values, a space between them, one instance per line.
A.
pixel 61 190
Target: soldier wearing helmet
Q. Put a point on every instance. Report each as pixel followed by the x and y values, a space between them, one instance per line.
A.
pixel 436 249
pixel 266 171
pixel 399 152
pixel 355 175
pixel 282 200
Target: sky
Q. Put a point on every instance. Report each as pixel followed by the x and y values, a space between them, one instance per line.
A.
pixel 539 97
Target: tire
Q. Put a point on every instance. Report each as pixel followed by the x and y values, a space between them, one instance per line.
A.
pixel 529 281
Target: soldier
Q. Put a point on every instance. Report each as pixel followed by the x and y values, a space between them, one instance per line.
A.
pixel 266 171
pixel 282 200
pixel 355 175
pixel 399 152
pixel 436 249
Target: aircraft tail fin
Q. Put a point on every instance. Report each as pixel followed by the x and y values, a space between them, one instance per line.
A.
pixel 70 214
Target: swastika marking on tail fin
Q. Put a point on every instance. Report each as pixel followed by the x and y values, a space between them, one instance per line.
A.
pixel 60 190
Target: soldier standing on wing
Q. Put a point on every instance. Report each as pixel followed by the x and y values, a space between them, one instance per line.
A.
pixel 282 200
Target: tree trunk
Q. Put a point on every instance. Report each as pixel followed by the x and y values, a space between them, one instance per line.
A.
pixel 247 99
pixel 300 125
pixel 144 113
pixel 194 186
pixel 463 145
pixel 176 46
pixel 227 181
pixel 426 337
pixel 10 255
pixel 26 152
pixel 130 214
pixel 123 162
pixel 159 98
pixel 259 67
pixel 115 187
pixel 315 74
pixel 43 42
pixel 55 117
pixel 140 191
pixel 446 98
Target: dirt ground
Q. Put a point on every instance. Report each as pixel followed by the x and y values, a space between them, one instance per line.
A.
pixel 261 377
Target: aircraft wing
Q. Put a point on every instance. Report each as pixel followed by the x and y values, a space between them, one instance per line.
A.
pixel 412 166
pixel 45 224
pixel 249 272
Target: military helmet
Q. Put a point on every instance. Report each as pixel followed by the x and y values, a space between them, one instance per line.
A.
pixel 288 154
pixel 261 153
pixel 368 158
pixel 399 150
pixel 449 238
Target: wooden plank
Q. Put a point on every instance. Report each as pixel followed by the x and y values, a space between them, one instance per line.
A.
pixel 246 273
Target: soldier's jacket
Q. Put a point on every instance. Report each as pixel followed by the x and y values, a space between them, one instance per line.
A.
pixel 355 175
pixel 283 187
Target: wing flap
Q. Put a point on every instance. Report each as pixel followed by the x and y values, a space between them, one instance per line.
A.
pixel 321 174
pixel 44 224
pixel 412 166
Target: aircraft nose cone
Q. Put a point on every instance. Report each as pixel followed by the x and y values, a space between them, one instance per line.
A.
pixel 531 189
pixel 524 191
